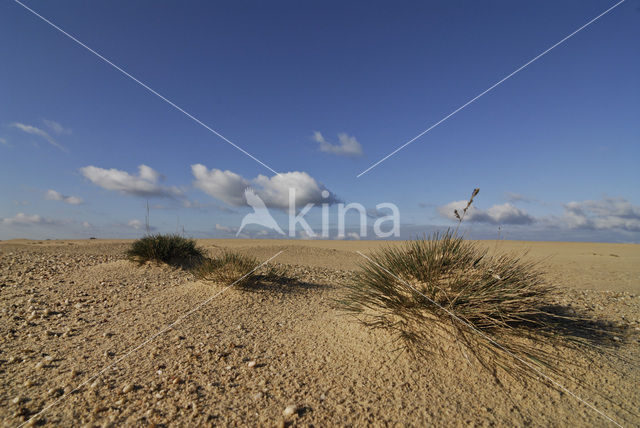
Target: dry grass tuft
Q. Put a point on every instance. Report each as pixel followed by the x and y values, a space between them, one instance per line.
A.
pixel 234 268
pixel 440 291
pixel 171 249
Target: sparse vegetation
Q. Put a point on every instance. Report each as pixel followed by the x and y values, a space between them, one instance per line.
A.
pixel 443 290
pixel 239 269
pixel 170 249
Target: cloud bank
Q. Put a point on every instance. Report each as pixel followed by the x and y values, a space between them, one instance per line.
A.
pixel 505 213
pixel 22 219
pixel 607 213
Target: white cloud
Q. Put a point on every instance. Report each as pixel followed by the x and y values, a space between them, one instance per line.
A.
pixel 608 213
pixel 29 129
pixel 135 223
pixel 498 214
pixel 56 127
pixel 225 228
pixel 353 235
pixel 4 142
pixel 87 225
pixel 348 146
pixel 145 184
pixel 22 219
pixel 52 195
pixel 226 186
pixel 274 191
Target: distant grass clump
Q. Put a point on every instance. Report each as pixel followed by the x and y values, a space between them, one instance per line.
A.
pixel 443 290
pixel 170 249
pixel 239 269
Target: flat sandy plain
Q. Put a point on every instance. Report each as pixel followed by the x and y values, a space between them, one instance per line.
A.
pixel 84 338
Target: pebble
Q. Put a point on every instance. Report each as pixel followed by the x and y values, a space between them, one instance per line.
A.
pixel 27 383
pixel 40 365
pixel 16 400
pixel 54 391
pixel 94 385
pixel 290 410
pixel 616 339
pixel 251 364
pixel 127 388
pixel 258 395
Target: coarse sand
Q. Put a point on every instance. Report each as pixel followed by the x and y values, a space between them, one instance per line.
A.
pixel 80 339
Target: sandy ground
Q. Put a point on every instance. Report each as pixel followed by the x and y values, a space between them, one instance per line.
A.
pixel 85 340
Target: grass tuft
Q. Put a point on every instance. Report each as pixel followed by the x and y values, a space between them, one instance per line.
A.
pixel 442 291
pixel 239 269
pixel 170 249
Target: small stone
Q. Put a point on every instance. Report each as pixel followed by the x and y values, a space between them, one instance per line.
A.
pixel 74 373
pixel 176 381
pixel 120 402
pixel 290 410
pixel 159 396
pixel 258 395
pixel 27 383
pixel 251 364
pixel 616 339
pixel 54 391
pixel 127 388
pixel 16 400
pixel 40 365
pixel 95 384
pixel 48 358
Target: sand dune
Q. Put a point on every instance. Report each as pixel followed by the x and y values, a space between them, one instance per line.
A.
pixel 75 309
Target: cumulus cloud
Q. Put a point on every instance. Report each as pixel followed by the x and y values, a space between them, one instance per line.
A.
pixel 498 214
pixel 608 213
pixel 32 130
pixel 347 146
pixel 145 184
pixel 52 195
pixel 22 219
pixel 274 191
pixel 226 186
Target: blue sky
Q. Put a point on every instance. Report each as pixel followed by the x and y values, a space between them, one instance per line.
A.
pixel 554 149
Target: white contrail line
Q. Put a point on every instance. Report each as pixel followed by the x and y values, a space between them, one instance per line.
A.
pixel 490 88
pixel 490 339
pixel 180 109
pixel 151 338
